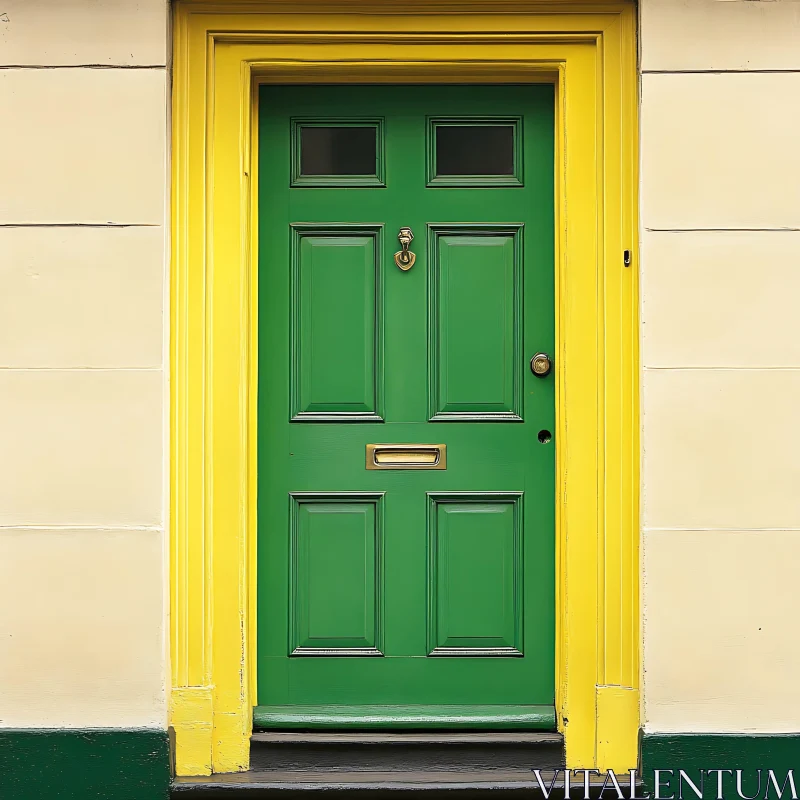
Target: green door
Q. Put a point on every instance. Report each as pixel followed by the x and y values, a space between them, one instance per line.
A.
pixel 412 583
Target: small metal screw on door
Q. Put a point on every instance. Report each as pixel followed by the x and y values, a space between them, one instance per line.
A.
pixel 541 365
pixel 404 258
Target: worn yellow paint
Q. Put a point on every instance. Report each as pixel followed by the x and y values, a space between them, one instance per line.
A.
pixel 617 728
pixel 222 51
pixel 190 715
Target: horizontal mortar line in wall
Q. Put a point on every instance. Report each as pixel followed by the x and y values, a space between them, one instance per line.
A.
pixel 720 71
pixel 722 230
pixel 726 529
pixel 80 225
pixel 722 369
pixel 82 528
pixel 81 369
pixel 83 66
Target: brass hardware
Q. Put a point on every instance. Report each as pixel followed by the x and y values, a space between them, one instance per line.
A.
pixel 541 365
pixel 406 456
pixel 405 258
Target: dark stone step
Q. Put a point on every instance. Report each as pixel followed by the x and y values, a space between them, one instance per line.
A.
pixel 429 751
pixel 466 785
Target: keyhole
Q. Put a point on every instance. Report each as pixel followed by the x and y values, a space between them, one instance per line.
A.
pixel 544 436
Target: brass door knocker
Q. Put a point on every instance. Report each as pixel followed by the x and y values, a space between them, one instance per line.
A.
pixel 405 258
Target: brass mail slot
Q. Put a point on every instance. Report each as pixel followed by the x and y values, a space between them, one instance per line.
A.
pixel 406 456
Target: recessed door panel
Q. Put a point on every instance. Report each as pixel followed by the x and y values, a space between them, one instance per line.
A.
pixel 336 325
pixel 335 585
pixel 475 575
pixel 475 322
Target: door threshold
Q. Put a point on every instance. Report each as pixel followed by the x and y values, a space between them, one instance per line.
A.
pixel 475 717
pixel 326 737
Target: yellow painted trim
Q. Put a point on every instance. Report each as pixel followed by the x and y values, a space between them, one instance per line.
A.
pixel 191 717
pixel 617 728
pixel 221 52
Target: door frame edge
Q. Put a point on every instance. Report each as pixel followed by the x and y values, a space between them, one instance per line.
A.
pixel 221 53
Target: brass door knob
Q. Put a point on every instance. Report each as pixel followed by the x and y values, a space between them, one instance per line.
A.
pixel 541 365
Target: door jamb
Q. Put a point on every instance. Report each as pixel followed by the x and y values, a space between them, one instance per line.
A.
pixel 222 51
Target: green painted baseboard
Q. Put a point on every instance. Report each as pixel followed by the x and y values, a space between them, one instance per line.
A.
pixel 695 752
pixel 536 718
pixel 80 764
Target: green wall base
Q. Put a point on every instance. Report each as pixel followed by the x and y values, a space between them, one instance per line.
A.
pixel 80 764
pixel 694 752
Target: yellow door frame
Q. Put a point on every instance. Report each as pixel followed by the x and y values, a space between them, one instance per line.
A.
pixel 222 51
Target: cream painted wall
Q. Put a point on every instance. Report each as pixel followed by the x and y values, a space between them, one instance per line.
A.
pixel 83 221
pixel 720 216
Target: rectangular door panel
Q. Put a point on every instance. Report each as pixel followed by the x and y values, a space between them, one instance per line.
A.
pixel 336 574
pixel 475 574
pixel 336 369
pixel 475 322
